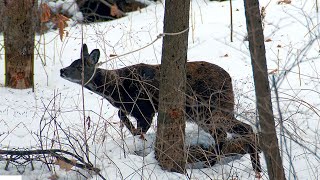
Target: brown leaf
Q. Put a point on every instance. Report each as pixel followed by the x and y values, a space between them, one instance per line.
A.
pixel 53 177
pixel 60 22
pixel 225 55
pixel 273 71
pixel 62 17
pixel 61 29
pixel 258 175
pixel 284 2
pixel 268 40
pixel 113 55
pixel 279 46
pixel 64 165
pixel 67 33
pixel 115 11
pixel 45 13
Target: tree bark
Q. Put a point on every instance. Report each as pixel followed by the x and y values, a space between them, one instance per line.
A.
pixel 268 140
pixel 169 147
pixel 19 31
pixel 1 15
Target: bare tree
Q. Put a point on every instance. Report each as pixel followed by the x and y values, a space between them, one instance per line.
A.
pixel 19 31
pixel 268 140
pixel 169 147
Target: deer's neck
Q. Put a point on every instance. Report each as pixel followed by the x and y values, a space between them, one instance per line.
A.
pixel 102 81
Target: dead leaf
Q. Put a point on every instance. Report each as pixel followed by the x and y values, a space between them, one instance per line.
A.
pixel 45 13
pixel 258 175
pixel 113 55
pixel 115 11
pixel 226 55
pixel 284 2
pixel 64 165
pixel 268 40
pixel 279 46
pixel 273 71
pixel 53 177
pixel 142 137
pixel 60 21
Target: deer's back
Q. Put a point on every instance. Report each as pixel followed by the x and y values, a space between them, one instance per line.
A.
pixel 206 82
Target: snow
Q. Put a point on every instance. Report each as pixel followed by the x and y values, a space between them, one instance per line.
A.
pixel 55 108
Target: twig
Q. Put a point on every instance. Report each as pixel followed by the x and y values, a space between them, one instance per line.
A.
pixel 231 22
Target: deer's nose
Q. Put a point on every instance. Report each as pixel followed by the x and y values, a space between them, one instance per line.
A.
pixel 61 71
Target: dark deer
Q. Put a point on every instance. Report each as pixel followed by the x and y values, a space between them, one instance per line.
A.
pixel 135 91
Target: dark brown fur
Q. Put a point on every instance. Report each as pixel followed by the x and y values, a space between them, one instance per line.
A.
pixel 135 91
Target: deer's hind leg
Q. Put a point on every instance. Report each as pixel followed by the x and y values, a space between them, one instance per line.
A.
pixel 250 139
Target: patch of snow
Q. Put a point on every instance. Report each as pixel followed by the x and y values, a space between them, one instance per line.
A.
pixel 293 32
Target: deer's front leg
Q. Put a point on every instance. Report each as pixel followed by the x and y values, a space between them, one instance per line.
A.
pixel 125 120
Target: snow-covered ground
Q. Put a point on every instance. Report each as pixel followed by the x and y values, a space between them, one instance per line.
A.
pixel 55 109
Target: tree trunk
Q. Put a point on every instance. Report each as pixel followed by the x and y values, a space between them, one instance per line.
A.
pixel 19 32
pixel 169 147
pixel 268 140
pixel 1 15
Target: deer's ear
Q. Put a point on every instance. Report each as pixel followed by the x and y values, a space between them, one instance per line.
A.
pixel 84 51
pixel 94 56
